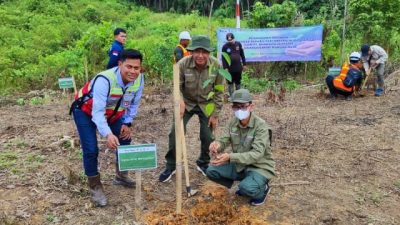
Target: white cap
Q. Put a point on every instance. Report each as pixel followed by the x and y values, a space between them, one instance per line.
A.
pixel 184 35
pixel 355 56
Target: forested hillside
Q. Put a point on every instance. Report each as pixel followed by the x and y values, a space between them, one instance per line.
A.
pixel 42 39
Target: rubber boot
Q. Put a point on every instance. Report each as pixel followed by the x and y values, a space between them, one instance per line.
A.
pixel 122 178
pixel 96 191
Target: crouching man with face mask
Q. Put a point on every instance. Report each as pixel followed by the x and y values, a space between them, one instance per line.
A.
pixel 250 160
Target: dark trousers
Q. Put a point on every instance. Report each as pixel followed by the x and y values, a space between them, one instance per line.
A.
pixel 236 78
pixel 206 137
pixel 87 134
pixel 251 183
pixel 333 90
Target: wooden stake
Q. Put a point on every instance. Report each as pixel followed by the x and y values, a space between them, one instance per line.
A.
pixel 300 182
pixel 178 142
pixel 305 72
pixel 73 81
pixel 85 64
pixel 138 195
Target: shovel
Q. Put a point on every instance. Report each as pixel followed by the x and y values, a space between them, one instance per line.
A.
pixel 189 190
pixel 362 90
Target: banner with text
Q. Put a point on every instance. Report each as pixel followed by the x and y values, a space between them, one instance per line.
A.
pixel 277 44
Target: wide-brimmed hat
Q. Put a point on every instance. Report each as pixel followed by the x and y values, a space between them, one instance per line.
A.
pixel 200 41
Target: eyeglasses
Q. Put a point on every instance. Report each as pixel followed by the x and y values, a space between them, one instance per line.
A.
pixel 236 107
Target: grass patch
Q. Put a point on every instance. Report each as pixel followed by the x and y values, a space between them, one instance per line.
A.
pixel 16 142
pixel 377 197
pixel 8 159
pixel 397 185
pixel 33 162
pixel 260 84
pixel 32 158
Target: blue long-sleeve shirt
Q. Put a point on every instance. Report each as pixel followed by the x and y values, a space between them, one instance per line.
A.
pixel 100 96
pixel 114 53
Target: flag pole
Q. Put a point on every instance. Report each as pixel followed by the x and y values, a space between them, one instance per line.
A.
pixel 237 14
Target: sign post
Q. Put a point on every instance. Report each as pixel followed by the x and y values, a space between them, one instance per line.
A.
pixel 66 83
pixel 138 158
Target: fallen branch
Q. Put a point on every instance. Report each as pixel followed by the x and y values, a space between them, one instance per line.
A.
pixel 381 149
pixel 292 183
pixel 373 149
pixel 313 86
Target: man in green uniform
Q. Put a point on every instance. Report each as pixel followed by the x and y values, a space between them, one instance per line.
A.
pixel 198 75
pixel 250 161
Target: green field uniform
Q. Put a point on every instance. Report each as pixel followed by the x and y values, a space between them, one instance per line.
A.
pixel 191 82
pixel 195 98
pixel 251 157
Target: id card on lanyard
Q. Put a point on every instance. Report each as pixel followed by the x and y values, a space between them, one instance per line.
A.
pixel 127 99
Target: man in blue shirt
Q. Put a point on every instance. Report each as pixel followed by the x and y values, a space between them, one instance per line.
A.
pixel 116 48
pixel 109 104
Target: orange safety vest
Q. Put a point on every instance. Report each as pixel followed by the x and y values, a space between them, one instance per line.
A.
pixel 115 94
pixel 185 52
pixel 338 80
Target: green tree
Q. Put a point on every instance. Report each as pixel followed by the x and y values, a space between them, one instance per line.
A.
pixel 277 15
pixel 375 21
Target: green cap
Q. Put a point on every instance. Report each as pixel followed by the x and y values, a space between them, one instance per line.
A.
pixel 200 41
pixel 241 96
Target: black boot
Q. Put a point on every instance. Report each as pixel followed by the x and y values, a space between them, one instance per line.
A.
pixel 122 178
pixel 96 191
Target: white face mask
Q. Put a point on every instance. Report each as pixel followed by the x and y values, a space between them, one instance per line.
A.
pixel 242 114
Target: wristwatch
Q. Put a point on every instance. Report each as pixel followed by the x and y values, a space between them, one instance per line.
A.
pixel 127 124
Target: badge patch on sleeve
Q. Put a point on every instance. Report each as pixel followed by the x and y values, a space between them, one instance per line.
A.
pixel 115 53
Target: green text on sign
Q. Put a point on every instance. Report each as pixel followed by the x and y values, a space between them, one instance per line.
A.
pixel 66 82
pixel 137 157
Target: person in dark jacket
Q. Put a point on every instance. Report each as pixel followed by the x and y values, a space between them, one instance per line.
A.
pixel 238 61
pixel 346 85
pixel 116 47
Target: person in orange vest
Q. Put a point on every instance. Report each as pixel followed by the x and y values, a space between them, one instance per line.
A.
pixel 109 103
pixel 180 50
pixel 348 80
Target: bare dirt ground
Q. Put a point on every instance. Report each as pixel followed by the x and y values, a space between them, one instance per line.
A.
pixel 337 163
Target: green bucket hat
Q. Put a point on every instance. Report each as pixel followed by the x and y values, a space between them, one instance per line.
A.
pixel 200 41
pixel 241 96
